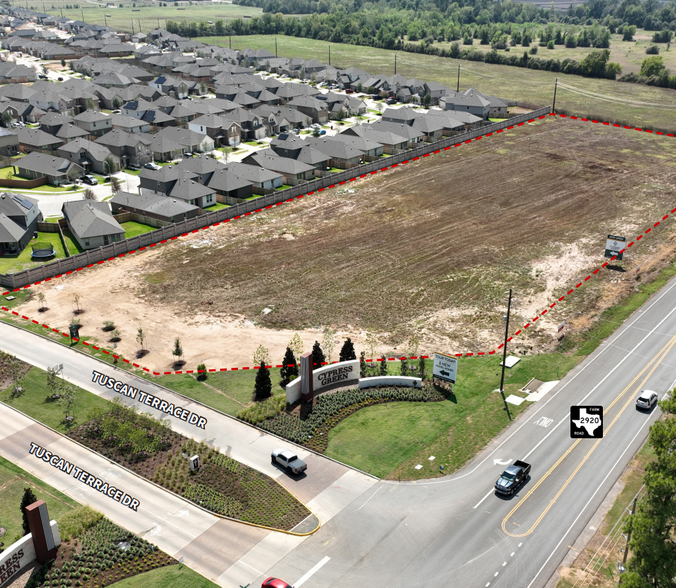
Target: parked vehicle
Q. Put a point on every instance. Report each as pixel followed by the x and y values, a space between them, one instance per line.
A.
pixel 391 101
pixel 376 97
pixel 91 180
pixel 646 400
pixel 289 460
pixel 349 91
pixel 513 477
pixel 275 583
pixel 153 166
pixel 42 76
pixel 60 79
pixel 322 132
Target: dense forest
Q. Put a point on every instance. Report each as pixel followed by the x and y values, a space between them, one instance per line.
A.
pixel 418 26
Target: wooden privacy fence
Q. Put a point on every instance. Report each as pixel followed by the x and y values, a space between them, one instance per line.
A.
pixel 95 256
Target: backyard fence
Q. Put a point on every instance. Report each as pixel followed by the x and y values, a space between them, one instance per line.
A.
pixel 162 235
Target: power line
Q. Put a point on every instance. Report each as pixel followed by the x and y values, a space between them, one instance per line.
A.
pixel 603 97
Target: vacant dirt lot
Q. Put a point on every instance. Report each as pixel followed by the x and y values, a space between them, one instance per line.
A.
pixel 429 249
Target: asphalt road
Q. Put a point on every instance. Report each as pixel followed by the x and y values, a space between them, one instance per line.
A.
pixel 456 530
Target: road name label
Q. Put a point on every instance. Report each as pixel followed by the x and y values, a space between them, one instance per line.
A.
pixel 586 422
pixel 85 477
pixel 152 401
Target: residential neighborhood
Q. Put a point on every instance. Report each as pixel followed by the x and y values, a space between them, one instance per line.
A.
pixel 186 127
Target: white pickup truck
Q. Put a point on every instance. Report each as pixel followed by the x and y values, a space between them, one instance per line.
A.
pixel 289 460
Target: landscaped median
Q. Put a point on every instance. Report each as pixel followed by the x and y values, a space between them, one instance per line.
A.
pixel 149 447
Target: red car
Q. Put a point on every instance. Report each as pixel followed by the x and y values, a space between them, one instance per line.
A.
pixel 349 91
pixel 275 583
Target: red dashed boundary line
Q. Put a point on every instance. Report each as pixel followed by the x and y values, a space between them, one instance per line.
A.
pixel 482 353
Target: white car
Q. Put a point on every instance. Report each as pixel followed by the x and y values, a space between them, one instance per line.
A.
pixel 289 460
pixel 646 400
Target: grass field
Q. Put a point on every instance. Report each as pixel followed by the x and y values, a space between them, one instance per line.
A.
pixel 16 263
pixel 13 480
pixel 73 245
pixel 619 101
pixel 33 402
pixel 176 576
pixel 132 229
pixel 389 440
pixel 150 14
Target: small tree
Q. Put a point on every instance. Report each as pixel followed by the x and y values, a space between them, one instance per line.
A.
pixel 67 401
pixel 76 301
pixel 329 343
pixel 41 300
pixel 261 355
pixel 362 364
pixel 53 381
pixel 115 336
pixel 301 75
pixel 89 195
pixel 7 118
pixel 371 343
pixel 422 367
pixel 178 351
pixel 108 326
pixel 117 103
pixel 141 338
pixel 404 368
pixel 90 104
pixel 347 351
pixel 110 166
pixel 202 372
pixel 115 184
pixel 27 499
pixel 317 355
pixel 289 369
pixel 263 385
pixel 382 368
pixel 427 100
pixel 63 62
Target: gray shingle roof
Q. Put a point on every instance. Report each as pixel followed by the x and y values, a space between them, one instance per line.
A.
pixel 153 203
pixel 89 219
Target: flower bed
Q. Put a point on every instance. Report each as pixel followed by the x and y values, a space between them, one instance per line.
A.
pixel 222 485
pixel 102 555
pixel 330 409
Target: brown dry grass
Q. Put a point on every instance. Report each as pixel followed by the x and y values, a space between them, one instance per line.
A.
pixel 429 249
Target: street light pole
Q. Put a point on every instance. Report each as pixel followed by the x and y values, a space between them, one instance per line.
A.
pixel 504 353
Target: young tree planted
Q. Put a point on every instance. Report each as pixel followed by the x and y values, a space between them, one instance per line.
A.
pixel 318 355
pixel 289 370
pixel 27 499
pixel 178 351
pixel 263 385
pixel 347 351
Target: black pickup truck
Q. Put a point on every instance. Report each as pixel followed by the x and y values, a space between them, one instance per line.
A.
pixel 512 477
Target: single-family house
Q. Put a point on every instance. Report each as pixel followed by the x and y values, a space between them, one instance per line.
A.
pixel 230 189
pixel 90 156
pixel 37 140
pixel 293 171
pixel 132 149
pixel 92 223
pixel 57 170
pixel 94 122
pixel 162 208
pixel 9 142
pixel 262 180
pixel 19 216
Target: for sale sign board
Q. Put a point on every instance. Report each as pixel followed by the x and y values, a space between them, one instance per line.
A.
pixel 614 245
pixel 445 367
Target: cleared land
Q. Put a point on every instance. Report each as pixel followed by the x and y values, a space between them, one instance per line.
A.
pixel 619 101
pixel 429 249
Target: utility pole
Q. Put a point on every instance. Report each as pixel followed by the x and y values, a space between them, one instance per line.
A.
pixel 457 87
pixel 556 83
pixel 106 19
pixel 329 54
pixel 626 547
pixel 504 353
pixel 158 23
pixel 230 43
pixel 139 26
pixel 82 13
pixel 132 26
pixel 395 64
pixel 275 46
pixel 61 12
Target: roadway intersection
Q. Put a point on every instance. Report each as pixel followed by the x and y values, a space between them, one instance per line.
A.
pixel 425 533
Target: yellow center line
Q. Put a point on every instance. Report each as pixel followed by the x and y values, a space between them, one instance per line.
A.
pixel 656 360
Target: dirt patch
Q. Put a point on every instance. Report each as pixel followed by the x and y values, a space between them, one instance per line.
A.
pixel 428 249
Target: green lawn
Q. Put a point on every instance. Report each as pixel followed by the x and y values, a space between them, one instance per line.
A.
pixel 389 440
pixel 131 229
pixel 252 143
pixel 6 172
pixel 167 577
pixel 13 480
pixel 283 187
pixel 620 101
pixel 217 206
pixel 16 263
pixel 133 172
pixel 33 402
pixel 233 390
pixel 73 246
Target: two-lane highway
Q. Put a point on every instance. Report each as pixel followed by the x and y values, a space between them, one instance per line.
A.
pixel 457 530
